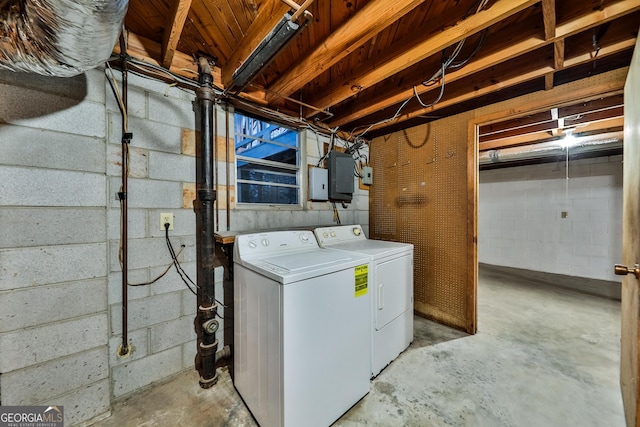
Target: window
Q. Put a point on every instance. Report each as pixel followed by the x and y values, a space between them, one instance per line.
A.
pixel 267 162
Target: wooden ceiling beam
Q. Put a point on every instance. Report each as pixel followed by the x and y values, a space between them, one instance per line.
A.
pixel 536 128
pixel 615 123
pixel 518 122
pixel 549 18
pixel 597 17
pixel 611 12
pixel 592 106
pixel 146 50
pixel 363 26
pixel 524 77
pixel 516 49
pixel 173 30
pixel 270 13
pixel 500 10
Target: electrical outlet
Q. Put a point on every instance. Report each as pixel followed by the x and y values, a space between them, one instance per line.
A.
pixel 166 218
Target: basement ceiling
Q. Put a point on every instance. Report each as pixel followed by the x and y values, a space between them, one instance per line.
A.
pixel 377 66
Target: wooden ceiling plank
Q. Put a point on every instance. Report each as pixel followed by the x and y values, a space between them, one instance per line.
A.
pixel 269 14
pixel 472 25
pixel 610 87
pixel 173 30
pixel 558 54
pixel 548 81
pixel 516 123
pixel 147 50
pixel 604 51
pixel 495 58
pixel 364 25
pixel 549 18
pixel 593 106
pixel 473 67
pixel 527 130
pixel 597 17
pixel 513 141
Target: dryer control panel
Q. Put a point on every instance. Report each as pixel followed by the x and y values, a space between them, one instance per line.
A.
pixel 344 233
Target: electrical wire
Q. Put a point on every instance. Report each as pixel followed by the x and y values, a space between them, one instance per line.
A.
pixel 166 270
pixel 125 149
pixel 183 274
pixel 446 63
pixel 176 263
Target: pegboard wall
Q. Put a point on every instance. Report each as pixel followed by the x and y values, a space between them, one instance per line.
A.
pixel 420 197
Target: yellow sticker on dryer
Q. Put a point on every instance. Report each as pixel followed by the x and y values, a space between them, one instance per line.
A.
pixel 362 280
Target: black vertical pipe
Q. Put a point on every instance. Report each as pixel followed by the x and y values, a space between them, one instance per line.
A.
pixel 206 323
pixel 124 206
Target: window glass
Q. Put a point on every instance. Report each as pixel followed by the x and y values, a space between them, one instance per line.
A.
pixel 267 162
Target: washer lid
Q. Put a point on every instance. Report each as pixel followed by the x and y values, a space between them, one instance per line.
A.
pixel 374 248
pixel 294 267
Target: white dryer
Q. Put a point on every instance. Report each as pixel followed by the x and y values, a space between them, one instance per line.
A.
pixel 391 284
pixel 301 328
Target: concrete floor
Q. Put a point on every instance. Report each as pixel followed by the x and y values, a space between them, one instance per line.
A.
pixel 543 356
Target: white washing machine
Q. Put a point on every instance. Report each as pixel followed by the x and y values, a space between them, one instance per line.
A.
pixel 391 286
pixel 301 328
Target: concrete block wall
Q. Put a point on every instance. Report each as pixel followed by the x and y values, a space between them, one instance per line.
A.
pixel 160 316
pixel 60 277
pixel 53 244
pixel 520 220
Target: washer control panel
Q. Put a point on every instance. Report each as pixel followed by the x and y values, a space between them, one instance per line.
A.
pixel 273 242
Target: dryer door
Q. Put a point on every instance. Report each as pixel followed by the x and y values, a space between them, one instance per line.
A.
pixel 393 293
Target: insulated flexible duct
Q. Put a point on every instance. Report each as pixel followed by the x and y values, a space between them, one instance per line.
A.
pixel 58 37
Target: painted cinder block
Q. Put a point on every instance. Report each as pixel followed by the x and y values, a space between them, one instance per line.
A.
pixel 26 307
pixel 88 86
pixel 145 312
pixel 139 342
pixel 47 380
pixel 146 134
pixel 172 167
pixel 114 286
pixel 84 403
pixel 138 161
pixel 136 99
pixel 42 187
pixel 42 110
pixel 172 333
pixel 184 222
pixel 171 282
pixel 44 226
pixel 143 253
pixel 51 264
pixel 27 347
pixel 137 223
pixel 189 352
pixel 133 375
pixel 26 146
pixel 147 193
pixel 171 110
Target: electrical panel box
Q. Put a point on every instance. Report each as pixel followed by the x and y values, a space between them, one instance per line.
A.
pixel 367 175
pixel 340 176
pixel 318 184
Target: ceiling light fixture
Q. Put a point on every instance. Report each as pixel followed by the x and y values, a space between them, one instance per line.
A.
pixel 267 50
pixel 569 139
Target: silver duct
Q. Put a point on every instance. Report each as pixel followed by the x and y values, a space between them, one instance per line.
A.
pixel 581 145
pixel 58 37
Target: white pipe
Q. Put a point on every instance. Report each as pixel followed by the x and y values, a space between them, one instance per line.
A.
pixel 550 149
pixel 58 37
